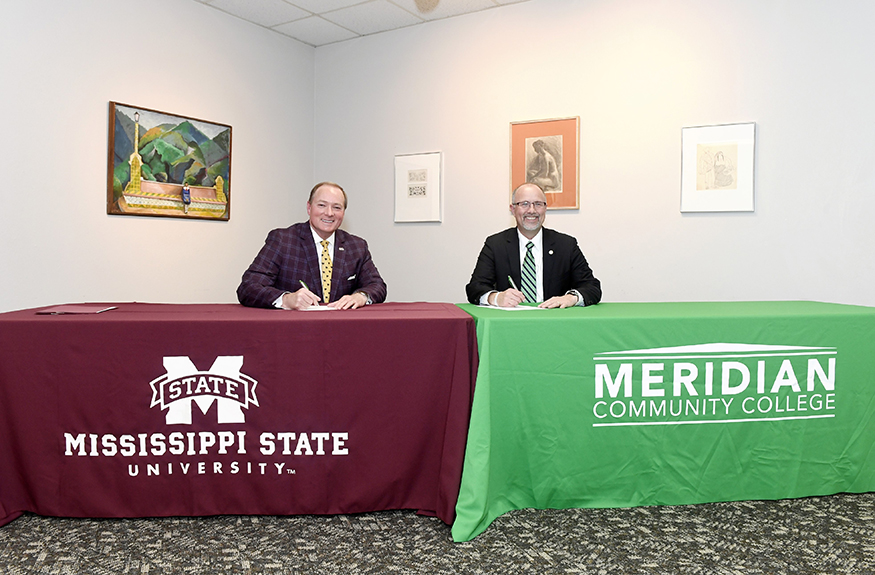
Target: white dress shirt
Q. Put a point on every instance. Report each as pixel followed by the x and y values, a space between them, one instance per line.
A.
pixel 538 253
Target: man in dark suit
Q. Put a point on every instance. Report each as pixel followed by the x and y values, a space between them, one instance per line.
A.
pixel 317 256
pixel 556 274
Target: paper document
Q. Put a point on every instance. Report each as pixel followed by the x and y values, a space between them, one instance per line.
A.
pixel 75 309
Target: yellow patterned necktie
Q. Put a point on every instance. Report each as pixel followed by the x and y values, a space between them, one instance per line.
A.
pixel 325 263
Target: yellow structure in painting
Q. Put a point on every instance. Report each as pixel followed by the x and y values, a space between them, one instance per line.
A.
pixel 136 160
pixel 220 189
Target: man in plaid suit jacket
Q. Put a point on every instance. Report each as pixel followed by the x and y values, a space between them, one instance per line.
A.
pixel 288 266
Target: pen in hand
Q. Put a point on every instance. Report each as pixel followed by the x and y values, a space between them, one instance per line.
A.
pixel 305 285
pixel 512 285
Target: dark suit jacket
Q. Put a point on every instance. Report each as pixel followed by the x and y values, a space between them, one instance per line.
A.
pixel 289 257
pixel 565 268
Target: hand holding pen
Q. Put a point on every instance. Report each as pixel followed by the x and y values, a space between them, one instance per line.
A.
pixel 301 299
pixel 510 297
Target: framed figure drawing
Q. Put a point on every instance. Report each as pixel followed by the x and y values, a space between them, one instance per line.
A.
pixel 162 164
pixel 545 152
pixel 717 168
pixel 418 187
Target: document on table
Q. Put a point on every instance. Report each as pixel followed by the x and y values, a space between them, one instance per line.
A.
pixel 75 309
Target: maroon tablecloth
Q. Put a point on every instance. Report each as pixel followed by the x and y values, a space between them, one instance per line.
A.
pixel 164 410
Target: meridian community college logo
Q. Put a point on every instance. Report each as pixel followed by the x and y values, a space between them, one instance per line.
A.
pixel 223 384
pixel 714 383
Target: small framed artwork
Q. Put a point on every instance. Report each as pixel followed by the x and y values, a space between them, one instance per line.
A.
pixel 717 168
pixel 418 187
pixel 163 164
pixel 545 152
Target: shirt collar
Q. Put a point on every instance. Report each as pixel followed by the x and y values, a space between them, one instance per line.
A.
pixel 318 239
pixel 537 240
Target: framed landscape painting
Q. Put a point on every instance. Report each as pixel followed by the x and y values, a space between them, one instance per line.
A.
pixel 161 164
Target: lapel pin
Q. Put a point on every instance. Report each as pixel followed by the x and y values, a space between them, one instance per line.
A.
pixel 550 252
pixel 340 248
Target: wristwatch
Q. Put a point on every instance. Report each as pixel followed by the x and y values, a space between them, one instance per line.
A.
pixel 367 297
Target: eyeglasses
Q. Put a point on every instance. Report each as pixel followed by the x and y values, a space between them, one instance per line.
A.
pixel 525 205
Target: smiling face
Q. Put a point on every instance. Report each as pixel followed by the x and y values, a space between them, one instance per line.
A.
pixel 530 219
pixel 326 209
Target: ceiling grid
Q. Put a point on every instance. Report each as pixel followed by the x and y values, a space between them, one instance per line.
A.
pixel 321 22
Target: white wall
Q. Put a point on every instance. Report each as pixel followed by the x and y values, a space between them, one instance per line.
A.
pixel 636 72
pixel 61 62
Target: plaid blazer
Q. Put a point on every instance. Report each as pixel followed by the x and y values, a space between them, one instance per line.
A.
pixel 289 257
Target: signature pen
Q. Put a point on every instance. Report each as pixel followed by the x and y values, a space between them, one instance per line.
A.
pixel 305 285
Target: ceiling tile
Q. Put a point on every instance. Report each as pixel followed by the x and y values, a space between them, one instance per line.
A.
pixel 320 6
pixel 320 22
pixel 264 12
pixel 372 17
pixel 436 9
pixel 315 31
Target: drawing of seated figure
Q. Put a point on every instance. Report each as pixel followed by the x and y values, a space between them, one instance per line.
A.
pixel 543 169
pixel 723 170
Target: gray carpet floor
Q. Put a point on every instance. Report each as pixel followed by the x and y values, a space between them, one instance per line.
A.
pixel 834 534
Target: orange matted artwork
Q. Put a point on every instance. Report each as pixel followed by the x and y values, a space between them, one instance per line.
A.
pixel 545 152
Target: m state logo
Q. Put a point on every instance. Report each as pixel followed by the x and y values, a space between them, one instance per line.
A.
pixel 184 385
pixel 220 453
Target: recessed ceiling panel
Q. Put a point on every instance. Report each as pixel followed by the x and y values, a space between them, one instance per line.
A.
pixel 372 17
pixel 264 12
pixel 315 31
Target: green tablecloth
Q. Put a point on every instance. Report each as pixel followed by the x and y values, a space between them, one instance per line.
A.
pixel 627 404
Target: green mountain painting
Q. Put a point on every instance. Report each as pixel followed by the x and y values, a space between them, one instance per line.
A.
pixel 173 150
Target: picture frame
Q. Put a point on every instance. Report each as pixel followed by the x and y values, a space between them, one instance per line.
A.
pixel 546 152
pixel 418 187
pixel 167 165
pixel 717 168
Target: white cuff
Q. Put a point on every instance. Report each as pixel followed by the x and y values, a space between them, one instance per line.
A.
pixel 484 299
pixel 579 297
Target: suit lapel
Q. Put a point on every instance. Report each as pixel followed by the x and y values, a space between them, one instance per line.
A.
pixel 513 256
pixel 338 264
pixel 547 250
pixel 311 260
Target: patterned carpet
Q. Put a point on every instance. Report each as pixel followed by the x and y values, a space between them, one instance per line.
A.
pixel 833 534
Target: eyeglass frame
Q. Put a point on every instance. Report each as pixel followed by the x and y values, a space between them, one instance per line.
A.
pixel 538 204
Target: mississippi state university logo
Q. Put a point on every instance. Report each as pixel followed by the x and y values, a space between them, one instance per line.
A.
pixel 154 452
pixel 184 386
